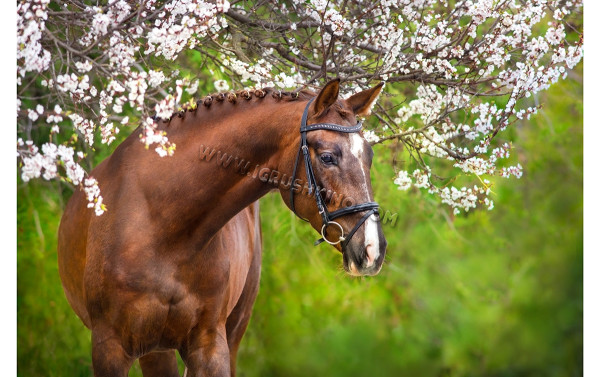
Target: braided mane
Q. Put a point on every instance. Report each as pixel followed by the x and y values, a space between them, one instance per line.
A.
pixel 240 95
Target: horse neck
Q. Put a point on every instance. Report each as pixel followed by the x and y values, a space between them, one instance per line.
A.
pixel 220 151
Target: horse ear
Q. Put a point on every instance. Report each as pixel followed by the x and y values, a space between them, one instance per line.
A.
pixel 362 102
pixel 328 95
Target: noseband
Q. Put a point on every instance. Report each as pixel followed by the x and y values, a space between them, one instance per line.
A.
pixel 326 216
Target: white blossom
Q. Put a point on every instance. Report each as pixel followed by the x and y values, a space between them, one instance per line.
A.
pixel 31 23
pixel 465 69
pixel 33 115
pixel 221 85
pixel 370 136
pixel 155 78
pixel 92 192
pixel 83 67
pixel 403 180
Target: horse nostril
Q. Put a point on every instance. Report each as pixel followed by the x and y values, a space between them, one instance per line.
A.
pixel 371 254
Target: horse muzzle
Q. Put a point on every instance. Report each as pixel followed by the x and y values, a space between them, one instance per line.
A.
pixel 361 260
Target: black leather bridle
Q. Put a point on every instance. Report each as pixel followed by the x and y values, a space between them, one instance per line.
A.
pixel 327 217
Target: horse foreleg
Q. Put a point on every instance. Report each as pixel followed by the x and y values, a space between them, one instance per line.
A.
pixel 207 355
pixel 109 358
pixel 159 364
pixel 237 322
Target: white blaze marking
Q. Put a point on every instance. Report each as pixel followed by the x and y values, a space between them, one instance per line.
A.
pixel 372 238
pixel 371 232
pixel 356 146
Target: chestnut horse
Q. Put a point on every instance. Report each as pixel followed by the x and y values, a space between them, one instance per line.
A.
pixel 170 266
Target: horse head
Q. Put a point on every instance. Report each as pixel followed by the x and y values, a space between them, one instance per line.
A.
pixel 336 160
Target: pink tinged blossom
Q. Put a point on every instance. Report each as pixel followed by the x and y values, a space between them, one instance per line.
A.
pixel 32 167
pixel 155 78
pixel 50 150
pixel 223 6
pixel 65 153
pixel 169 38
pixel 50 169
pixel 83 67
pixel 118 11
pixel 164 109
pixel 574 55
pixel 31 56
pixel 558 14
pixel 516 171
pixel 121 52
pixel 338 24
pixel 480 10
pixel 100 23
pixel 40 164
pixel 284 81
pixel 84 83
pixel 85 126
pixel 73 85
pixel 54 119
pixel 459 199
pixel 476 165
pixel 92 192
pixel 91 189
pixel 151 135
pixel 555 36
pixel 75 172
pixel 406 31
pixel 137 88
pixel 108 132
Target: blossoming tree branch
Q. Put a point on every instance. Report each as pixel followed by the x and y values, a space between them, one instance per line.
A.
pixel 458 74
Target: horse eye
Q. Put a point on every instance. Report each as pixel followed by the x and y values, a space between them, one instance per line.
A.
pixel 327 159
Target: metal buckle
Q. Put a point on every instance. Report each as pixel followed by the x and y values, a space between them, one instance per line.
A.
pixel 325 238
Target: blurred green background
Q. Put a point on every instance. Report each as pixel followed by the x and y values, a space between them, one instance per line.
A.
pixel 488 293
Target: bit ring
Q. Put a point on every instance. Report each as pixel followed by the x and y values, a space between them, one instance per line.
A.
pixel 325 238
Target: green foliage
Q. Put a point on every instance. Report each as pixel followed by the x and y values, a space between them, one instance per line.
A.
pixel 51 340
pixel 496 293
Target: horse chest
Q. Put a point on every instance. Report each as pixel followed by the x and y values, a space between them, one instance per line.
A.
pixel 175 297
